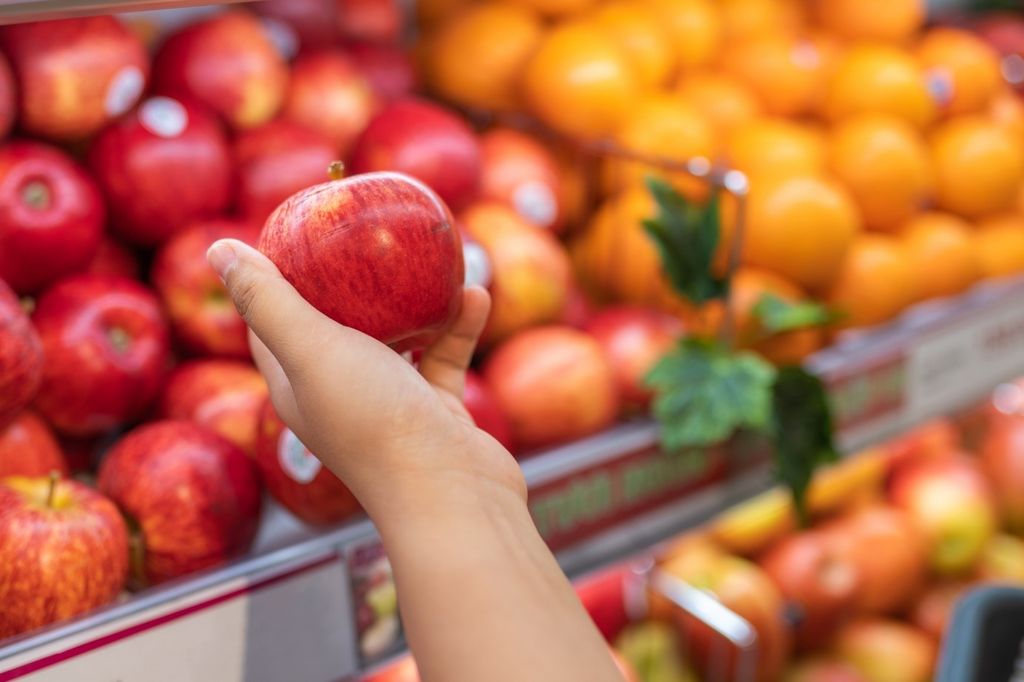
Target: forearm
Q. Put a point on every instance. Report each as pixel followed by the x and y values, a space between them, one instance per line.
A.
pixel 482 598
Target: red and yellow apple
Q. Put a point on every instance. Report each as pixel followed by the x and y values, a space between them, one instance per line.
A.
pixel 1002 560
pixel 29 448
pixel 21 356
pixel 520 172
pixel 1002 456
pixel 887 651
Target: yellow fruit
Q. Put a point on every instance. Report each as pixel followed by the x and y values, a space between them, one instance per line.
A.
pixel 942 253
pixel 879 79
pixel 580 82
pixel 979 167
pixel 785 73
pixel 999 244
pixel 725 102
pixel 467 65
pixel 645 41
pixel 873 20
pixel 962 67
pixel 799 227
pixel 875 282
pixel 776 148
pixel 885 164
pixel 694 28
pixel 744 20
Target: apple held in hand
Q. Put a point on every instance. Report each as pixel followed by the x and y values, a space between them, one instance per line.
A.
pixel 51 216
pixel 74 75
pixel 21 356
pixel 225 396
pixel 377 252
pixel 202 315
pixel 228 63
pixel 484 410
pixel 193 495
pixel 63 551
pixel 296 478
pixel 106 347
pixel 29 448
pixel 426 141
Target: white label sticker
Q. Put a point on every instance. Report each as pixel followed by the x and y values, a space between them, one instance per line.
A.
pixel 536 202
pixel 163 116
pixel 124 90
pixel 939 82
pixel 300 464
pixel 478 265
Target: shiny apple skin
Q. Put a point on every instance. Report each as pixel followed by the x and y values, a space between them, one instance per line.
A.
pixel 519 171
pixel 161 167
pixel 56 562
pixel 113 258
pixel 426 141
pixel 225 396
pixel 106 347
pixel 228 63
pixel 21 356
pixel 29 448
pixel 484 410
pixel 387 68
pixel 74 75
pixel 275 161
pixel 328 94
pixel 8 97
pixel 193 495
pixel 635 339
pixel 51 216
pixel 312 493
pixel 378 252
pixel 554 384
pixel 204 320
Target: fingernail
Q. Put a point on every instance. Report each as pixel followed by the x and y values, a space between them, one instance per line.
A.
pixel 222 257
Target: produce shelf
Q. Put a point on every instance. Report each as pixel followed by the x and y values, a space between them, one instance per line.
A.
pixel 18 11
pixel 289 612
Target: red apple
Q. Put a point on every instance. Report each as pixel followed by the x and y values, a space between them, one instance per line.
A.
pixel 113 258
pixel 823 669
pixel 8 97
pixel 394 272
pixel 225 396
pixel 64 550
pixel 375 21
pixel 887 651
pixel 634 339
pixel 51 216
pixel 1002 560
pixel 229 63
pixel 276 160
pixel 29 448
pixel 935 438
pixel 889 552
pixel 605 596
pixel 387 68
pixel 296 478
pixel 202 315
pixel 106 347
pixel 485 411
pixel 952 502
pixel 426 141
pixel 1002 456
pixel 161 167
pixel 578 308
pixel 21 356
pixel 74 75
pixel 933 610
pixel 519 171
pixel 328 94
pixel 818 580
pixel 314 21
pixel 193 496
pixel 554 384
pixel 530 270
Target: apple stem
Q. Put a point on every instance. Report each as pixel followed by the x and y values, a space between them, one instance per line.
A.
pixel 54 477
pixel 336 171
pixel 118 338
pixel 36 194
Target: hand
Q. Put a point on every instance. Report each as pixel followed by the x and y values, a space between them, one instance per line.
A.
pixel 382 426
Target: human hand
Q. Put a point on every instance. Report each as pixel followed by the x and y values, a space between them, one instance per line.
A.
pixel 386 429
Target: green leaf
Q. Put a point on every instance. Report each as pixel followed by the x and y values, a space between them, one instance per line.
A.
pixel 705 392
pixel 776 315
pixel 687 237
pixel 801 431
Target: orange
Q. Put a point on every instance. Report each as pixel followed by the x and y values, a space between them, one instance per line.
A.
pixel 941 252
pixel 875 281
pixel 963 69
pixel 885 164
pixel 749 285
pixel 694 28
pixel 644 40
pixel 879 79
pixel 786 73
pixel 744 20
pixel 999 244
pixel 978 165
pixel 873 20
pixel 580 82
pixel 776 148
pixel 723 100
pixel 1007 110
pixel 554 8
pixel 663 126
pixel 467 65
pixel 799 227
